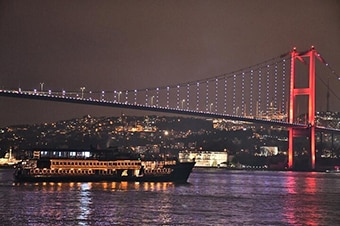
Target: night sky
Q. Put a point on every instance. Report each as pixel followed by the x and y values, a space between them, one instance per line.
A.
pixel 120 45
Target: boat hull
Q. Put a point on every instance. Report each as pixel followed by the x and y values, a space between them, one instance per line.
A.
pixel 179 174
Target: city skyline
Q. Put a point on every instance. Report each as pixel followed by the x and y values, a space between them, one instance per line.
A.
pixel 140 44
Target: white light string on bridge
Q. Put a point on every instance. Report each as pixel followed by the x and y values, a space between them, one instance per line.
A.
pixel 233 93
pixel 189 94
pixel 226 96
pixel 333 73
pixel 322 60
pixel 269 62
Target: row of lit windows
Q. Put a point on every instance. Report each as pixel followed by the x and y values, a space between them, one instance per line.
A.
pixel 159 171
pixel 59 171
pixel 74 171
pixel 102 172
pixel 87 163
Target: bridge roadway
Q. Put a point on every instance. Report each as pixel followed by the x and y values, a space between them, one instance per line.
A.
pixel 89 101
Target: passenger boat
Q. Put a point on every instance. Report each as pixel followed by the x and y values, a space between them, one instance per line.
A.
pixel 99 165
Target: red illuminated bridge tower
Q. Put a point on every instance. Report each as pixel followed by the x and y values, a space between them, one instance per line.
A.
pixel 306 91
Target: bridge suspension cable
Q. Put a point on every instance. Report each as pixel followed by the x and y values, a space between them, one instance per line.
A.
pixel 235 93
pixel 258 92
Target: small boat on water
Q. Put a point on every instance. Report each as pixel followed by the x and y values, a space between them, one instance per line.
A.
pixel 9 160
pixel 99 165
pixel 336 169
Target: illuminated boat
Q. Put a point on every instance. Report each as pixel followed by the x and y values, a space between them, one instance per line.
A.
pixel 99 165
pixel 336 169
pixel 213 159
pixel 9 160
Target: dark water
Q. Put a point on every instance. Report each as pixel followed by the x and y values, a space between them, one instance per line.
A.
pixel 212 197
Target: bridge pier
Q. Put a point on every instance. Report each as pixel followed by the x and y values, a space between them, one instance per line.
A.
pixel 308 133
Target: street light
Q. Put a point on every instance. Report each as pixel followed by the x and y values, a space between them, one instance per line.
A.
pixel 119 93
pixel 182 102
pixel 41 86
pixel 152 100
pixel 82 92
pixel 211 106
pixel 236 112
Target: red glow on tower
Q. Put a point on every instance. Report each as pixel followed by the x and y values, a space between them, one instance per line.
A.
pixel 308 91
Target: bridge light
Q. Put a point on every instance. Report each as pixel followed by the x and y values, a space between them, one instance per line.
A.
pixel 182 102
pixel 211 106
pixel 41 86
pixel 82 92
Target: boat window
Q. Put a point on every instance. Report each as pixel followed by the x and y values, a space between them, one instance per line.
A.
pixel 87 154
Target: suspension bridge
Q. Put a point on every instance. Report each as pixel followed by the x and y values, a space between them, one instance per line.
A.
pixel 265 93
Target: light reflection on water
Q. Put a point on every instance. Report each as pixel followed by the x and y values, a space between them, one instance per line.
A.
pixel 212 197
pixel 301 200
